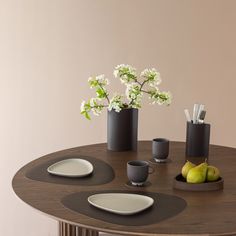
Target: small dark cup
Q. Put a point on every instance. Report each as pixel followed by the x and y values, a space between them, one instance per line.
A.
pixel 138 171
pixel 160 148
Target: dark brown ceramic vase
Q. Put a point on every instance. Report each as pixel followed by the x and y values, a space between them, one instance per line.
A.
pixel 122 130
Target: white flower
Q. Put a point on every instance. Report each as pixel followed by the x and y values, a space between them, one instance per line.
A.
pixel 96 111
pixel 160 97
pixel 82 106
pixel 134 95
pixel 116 103
pixel 92 102
pixel 96 108
pixel 152 76
pixel 126 73
pixel 102 80
pixel 92 82
pixel 167 97
pixel 132 91
pixel 99 80
pixel 116 72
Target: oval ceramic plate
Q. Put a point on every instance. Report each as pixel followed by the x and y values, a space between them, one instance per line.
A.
pixel 74 167
pixel 121 203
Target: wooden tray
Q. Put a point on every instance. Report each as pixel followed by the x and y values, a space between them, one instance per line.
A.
pixel 180 183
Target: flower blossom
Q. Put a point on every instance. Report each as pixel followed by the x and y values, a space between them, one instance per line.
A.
pixel 152 76
pixel 126 73
pixel 134 94
pixel 116 103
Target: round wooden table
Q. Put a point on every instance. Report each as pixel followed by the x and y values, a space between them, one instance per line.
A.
pixel 207 213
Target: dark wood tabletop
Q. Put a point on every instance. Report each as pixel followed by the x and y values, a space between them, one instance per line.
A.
pixel 207 213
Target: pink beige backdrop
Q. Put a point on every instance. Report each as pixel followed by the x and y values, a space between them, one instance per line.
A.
pixel 49 48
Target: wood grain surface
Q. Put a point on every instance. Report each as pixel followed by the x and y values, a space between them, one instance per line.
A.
pixel 207 213
pixel 66 229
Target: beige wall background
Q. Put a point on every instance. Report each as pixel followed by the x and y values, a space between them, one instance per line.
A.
pixel 49 48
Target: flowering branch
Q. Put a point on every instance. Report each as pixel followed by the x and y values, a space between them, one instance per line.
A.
pixel 134 91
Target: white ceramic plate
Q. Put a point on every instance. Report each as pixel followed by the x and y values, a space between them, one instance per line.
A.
pixel 121 203
pixel 71 168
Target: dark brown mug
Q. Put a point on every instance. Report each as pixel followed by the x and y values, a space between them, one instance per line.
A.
pixel 138 171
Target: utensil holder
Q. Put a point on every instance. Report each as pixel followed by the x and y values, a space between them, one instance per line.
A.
pixel 197 140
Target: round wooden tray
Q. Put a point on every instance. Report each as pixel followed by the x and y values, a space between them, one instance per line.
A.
pixel 180 183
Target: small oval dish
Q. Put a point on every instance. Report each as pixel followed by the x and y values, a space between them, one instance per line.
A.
pixel 121 203
pixel 181 184
pixel 73 168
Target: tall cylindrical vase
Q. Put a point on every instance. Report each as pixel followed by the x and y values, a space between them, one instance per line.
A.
pixel 122 130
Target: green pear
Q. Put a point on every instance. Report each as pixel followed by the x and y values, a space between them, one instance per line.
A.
pixel 185 169
pixel 213 173
pixel 197 174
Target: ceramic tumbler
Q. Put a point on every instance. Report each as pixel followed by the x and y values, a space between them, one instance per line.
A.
pixel 160 148
pixel 197 139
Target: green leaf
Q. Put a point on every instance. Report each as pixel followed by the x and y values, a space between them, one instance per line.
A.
pixel 100 93
pixel 93 83
pixel 87 115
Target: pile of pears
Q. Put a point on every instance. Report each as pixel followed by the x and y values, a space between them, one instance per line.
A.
pixel 200 173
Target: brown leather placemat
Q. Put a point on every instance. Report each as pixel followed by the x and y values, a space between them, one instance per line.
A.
pixel 102 173
pixel 164 207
